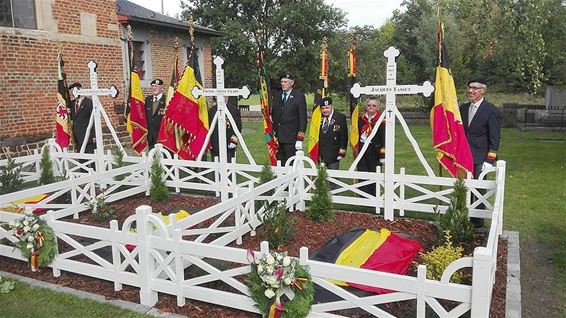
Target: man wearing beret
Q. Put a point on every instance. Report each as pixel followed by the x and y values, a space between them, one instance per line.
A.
pixel 482 124
pixel 333 135
pixel 81 109
pixel 154 111
pixel 289 114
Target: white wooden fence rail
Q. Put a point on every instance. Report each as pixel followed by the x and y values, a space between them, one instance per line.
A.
pixel 162 261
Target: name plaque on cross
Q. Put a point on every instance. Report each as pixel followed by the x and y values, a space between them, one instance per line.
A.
pixel 390 90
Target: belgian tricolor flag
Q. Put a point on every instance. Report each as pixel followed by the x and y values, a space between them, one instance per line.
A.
pixel 368 249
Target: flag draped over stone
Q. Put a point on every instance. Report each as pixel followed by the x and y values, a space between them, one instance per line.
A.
pixel 354 107
pixel 314 129
pixel 449 139
pixel 62 122
pixel 264 99
pixel 136 121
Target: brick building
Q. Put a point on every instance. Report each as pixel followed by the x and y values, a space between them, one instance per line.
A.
pixel 31 32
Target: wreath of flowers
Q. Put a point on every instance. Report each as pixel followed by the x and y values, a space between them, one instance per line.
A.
pixel 36 239
pixel 275 275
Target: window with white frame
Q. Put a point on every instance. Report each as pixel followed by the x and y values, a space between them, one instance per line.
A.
pixel 18 14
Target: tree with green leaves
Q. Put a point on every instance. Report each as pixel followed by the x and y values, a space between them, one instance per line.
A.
pixel 290 32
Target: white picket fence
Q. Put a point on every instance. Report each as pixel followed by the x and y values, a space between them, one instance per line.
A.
pixel 162 261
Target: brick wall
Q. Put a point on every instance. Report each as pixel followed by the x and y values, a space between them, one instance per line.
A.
pixel 28 65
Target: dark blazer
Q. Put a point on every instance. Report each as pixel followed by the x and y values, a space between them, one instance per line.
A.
pixel 80 114
pixel 290 118
pixel 483 132
pixel 153 119
pixel 334 139
pixel 230 134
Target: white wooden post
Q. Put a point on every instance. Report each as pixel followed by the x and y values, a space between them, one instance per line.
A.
pixel 299 163
pixel 116 259
pixel 391 90
pixel 148 297
pixel 97 112
pixel 49 218
pixel 179 268
pixel 481 282
pixel 421 294
pixel 219 92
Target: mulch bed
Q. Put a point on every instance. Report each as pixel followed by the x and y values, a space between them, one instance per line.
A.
pixel 307 233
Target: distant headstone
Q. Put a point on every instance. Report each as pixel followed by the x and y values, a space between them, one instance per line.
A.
pixel 555 97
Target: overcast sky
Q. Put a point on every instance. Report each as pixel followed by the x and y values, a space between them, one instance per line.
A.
pixel 359 12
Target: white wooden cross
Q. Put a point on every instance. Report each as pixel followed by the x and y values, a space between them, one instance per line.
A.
pixel 97 111
pixel 220 118
pixel 390 114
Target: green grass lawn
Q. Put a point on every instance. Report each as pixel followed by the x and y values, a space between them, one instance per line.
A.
pixel 27 301
pixel 535 205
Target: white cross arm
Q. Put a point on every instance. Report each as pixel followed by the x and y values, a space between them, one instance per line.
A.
pixel 426 89
pixel 244 92
pixel 112 91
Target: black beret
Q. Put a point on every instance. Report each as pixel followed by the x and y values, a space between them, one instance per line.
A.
pixel 76 84
pixel 287 76
pixel 478 80
pixel 327 101
pixel 157 81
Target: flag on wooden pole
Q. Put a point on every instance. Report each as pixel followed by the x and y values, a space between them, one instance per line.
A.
pixel 449 139
pixel 136 121
pixel 167 130
pixel 62 122
pixel 354 106
pixel 314 129
pixel 264 99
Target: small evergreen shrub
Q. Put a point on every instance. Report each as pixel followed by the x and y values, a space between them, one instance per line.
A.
pixel 10 177
pixel 46 166
pixel 158 190
pixel 118 163
pixel 440 257
pixel 101 209
pixel 321 208
pixel 278 225
pixel 456 220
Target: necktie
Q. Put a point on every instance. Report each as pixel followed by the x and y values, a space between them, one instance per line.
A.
pixel 284 97
pixel 325 124
pixel 471 113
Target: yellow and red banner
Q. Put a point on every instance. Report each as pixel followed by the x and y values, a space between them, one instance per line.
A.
pixel 186 117
pixel 314 128
pixel 354 107
pixel 62 121
pixel 168 131
pixel 448 136
pixel 136 121
pixel 264 98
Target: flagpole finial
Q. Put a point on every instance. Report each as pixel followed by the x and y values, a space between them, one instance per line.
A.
pixel 130 34
pixel 324 43
pixel 352 41
pixel 176 46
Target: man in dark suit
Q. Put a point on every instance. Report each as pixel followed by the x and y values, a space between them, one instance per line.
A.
pixel 81 110
pixel 333 135
pixel 375 153
pixel 482 124
pixel 231 138
pixel 154 111
pixel 289 114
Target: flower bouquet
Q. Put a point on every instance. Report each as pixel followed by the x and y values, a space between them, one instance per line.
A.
pixel 275 275
pixel 36 240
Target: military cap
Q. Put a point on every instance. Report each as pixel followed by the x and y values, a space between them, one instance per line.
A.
pixel 76 84
pixel 327 101
pixel 478 80
pixel 287 76
pixel 157 81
